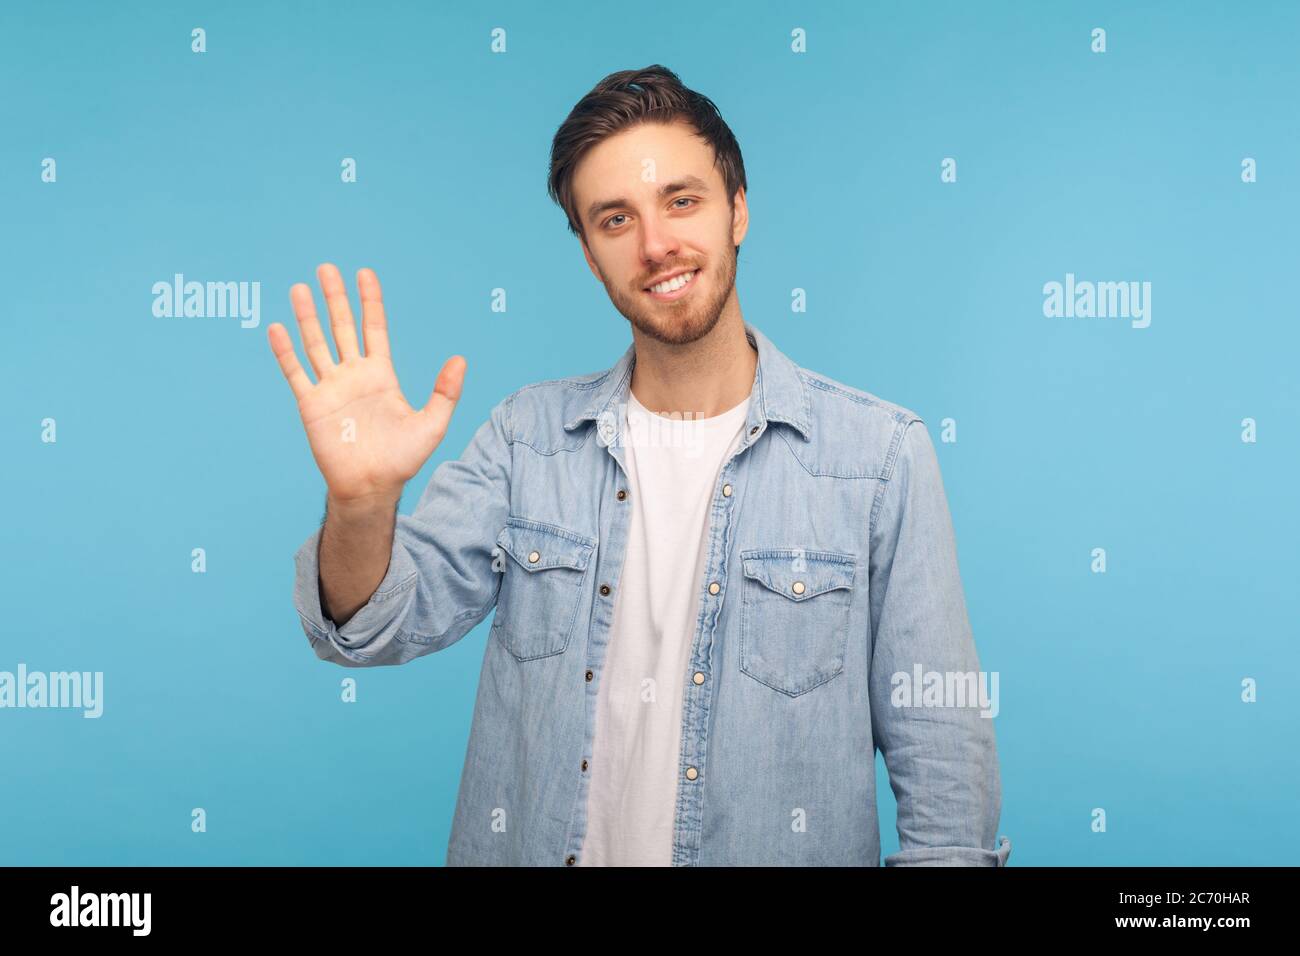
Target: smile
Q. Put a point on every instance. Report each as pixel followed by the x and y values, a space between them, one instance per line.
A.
pixel 673 288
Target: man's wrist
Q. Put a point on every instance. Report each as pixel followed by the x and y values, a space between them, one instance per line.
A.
pixel 363 509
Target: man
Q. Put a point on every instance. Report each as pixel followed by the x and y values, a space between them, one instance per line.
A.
pixel 700 615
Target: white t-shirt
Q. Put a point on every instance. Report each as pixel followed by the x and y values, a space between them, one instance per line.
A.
pixel 672 468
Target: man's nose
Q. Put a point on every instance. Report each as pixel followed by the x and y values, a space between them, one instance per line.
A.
pixel 658 241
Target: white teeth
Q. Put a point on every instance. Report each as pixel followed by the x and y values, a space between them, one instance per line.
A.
pixel 673 284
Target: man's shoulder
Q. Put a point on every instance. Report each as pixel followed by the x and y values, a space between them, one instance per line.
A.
pixel 547 389
pixel 854 433
pixel 832 395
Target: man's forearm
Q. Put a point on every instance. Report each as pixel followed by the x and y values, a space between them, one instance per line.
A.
pixel 355 547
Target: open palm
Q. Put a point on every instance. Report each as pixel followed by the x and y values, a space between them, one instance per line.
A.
pixel 366 438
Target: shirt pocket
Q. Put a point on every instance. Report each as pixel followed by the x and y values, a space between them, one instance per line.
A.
pixel 794 616
pixel 544 568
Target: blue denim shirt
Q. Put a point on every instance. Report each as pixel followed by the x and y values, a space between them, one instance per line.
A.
pixel 833 552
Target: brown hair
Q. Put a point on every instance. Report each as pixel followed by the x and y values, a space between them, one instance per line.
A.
pixel 622 100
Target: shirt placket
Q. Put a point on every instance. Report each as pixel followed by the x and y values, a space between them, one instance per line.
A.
pixel 611 551
pixel 697 698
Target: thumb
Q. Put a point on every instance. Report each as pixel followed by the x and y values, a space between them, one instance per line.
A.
pixel 446 393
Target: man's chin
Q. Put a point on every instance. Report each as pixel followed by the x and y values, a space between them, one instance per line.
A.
pixel 673 330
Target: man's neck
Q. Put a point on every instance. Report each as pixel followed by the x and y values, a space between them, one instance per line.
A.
pixel 703 379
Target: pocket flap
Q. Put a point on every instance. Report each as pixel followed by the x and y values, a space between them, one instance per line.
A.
pixel 798 574
pixel 537 546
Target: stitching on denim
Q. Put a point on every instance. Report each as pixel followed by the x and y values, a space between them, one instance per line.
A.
pixel 894 410
pixel 897 446
pixel 823 474
pixel 318 634
pixel 379 597
pixel 568 628
pixel 548 454
pixel 831 557
pixel 530 524
pixel 745 629
pixel 764 577
pixel 570 382
pixel 456 621
pixel 886 480
pixel 747 602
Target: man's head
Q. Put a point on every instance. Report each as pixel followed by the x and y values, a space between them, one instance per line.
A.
pixel 653 184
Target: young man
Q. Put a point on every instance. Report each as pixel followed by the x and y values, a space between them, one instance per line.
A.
pixel 709 565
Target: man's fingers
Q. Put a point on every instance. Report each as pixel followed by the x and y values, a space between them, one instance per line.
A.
pixel 446 393
pixel 374 325
pixel 342 325
pixel 282 346
pixel 313 339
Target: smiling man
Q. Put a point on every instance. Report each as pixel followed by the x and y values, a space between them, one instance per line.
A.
pixel 708 564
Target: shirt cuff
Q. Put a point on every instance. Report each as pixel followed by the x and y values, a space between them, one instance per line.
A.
pixel 362 628
pixel 951 856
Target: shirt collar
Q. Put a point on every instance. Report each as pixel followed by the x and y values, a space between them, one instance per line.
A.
pixel 779 393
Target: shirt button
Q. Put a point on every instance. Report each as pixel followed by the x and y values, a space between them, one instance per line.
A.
pixel 621 494
pixel 698 678
pixel 584 764
pixel 726 491
pixel 534 557
pixel 691 773
pixel 797 587
pixel 604 589
pixel 590 675
pixel 570 860
pixel 754 430
pixel 714 588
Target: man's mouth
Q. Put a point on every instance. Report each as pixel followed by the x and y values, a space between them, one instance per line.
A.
pixel 673 288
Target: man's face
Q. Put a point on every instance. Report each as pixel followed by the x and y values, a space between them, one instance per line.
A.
pixel 652 205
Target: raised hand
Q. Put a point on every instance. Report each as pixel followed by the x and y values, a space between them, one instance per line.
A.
pixel 366 439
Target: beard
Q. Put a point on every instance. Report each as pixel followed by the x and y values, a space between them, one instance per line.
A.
pixel 688 319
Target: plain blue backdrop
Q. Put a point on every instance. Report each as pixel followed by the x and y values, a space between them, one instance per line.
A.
pixel 1119 690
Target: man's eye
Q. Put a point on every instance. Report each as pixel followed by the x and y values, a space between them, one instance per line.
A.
pixel 683 199
pixel 611 219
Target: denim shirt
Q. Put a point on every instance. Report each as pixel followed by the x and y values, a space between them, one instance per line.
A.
pixel 831 581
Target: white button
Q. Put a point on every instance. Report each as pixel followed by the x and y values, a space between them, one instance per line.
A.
pixel 534 557
pixel 726 491
pixel 714 588
pixel 691 773
pixel 797 587
pixel 699 678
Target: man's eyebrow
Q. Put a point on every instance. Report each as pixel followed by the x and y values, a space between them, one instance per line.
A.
pixel 667 189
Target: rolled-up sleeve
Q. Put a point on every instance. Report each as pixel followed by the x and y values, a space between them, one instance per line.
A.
pixel 941 758
pixel 440 580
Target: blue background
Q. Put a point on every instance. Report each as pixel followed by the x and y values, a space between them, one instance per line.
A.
pixel 1118 690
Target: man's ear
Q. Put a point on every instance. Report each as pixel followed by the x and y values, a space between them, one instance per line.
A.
pixel 739 217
